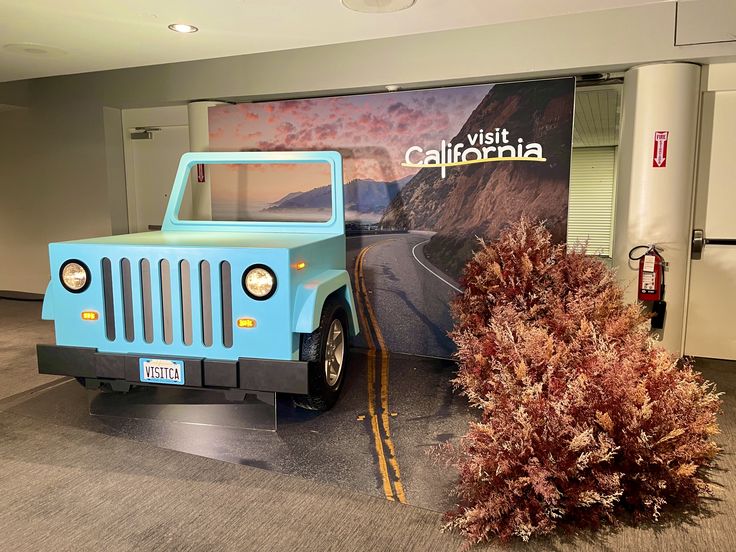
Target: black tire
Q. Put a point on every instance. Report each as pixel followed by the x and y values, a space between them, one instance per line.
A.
pixel 323 395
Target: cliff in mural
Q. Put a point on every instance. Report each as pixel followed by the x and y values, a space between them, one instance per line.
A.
pixel 482 199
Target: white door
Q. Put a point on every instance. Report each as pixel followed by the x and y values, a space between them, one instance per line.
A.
pixel 154 163
pixel 711 315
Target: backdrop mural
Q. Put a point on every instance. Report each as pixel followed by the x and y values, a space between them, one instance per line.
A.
pixel 427 173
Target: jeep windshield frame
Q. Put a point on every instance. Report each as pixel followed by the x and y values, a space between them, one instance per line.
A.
pixel 334 225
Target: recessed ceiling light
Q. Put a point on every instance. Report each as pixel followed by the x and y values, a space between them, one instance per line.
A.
pixel 377 6
pixel 33 49
pixel 183 28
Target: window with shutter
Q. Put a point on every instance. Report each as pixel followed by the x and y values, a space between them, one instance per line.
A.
pixel 590 210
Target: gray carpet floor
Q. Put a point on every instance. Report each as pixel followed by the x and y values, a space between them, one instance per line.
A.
pixel 68 489
pixel 64 488
pixel 21 328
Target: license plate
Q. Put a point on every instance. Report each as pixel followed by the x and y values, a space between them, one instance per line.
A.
pixel 155 370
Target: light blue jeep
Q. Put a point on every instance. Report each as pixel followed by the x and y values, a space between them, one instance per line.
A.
pixel 239 303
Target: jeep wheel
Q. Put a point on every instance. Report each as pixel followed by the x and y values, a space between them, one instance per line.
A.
pixel 326 350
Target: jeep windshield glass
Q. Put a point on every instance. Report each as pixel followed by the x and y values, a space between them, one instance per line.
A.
pixel 268 192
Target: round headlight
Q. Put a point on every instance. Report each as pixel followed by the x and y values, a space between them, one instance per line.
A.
pixel 259 282
pixel 75 276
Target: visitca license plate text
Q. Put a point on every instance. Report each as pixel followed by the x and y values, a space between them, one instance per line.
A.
pixel 162 371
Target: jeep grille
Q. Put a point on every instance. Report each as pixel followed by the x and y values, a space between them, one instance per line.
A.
pixel 147 286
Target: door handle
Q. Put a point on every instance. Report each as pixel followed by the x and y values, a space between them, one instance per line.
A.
pixel 700 241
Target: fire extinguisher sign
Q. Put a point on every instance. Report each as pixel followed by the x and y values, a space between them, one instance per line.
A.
pixel 659 158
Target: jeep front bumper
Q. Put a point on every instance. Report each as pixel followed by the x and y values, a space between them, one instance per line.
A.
pixel 250 374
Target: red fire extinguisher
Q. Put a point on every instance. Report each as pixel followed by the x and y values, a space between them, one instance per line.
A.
pixel 651 281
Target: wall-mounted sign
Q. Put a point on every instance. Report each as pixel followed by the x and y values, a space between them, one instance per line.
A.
pixel 659 158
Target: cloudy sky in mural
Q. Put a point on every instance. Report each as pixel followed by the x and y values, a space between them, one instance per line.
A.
pixel 372 132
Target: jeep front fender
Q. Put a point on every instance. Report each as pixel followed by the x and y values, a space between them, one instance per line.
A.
pixel 47 312
pixel 311 296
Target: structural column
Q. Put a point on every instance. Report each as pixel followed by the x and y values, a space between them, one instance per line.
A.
pixel 199 140
pixel 655 192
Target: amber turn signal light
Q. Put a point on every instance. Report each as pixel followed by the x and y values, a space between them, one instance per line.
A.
pixel 246 323
pixel 301 265
pixel 90 315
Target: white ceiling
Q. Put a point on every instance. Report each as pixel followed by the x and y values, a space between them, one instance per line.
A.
pixel 93 35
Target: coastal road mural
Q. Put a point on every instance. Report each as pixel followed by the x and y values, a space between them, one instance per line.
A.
pixel 427 173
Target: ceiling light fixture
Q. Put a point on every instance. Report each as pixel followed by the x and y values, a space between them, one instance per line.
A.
pixel 378 6
pixel 183 28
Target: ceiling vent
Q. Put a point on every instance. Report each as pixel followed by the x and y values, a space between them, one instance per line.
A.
pixel 378 6
pixel 33 49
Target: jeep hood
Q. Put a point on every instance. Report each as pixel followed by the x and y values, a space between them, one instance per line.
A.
pixel 259 240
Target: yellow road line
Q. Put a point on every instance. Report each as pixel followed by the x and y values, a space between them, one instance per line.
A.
pixel 384 388
pixel 474 161
pixel 363 290
pixel 387 489
pixel 385 419
pixel 358 278
pixel 382 467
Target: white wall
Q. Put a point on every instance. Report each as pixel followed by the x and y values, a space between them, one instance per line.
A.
pixel 162 117
pixel 53 186
pixel 59 180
